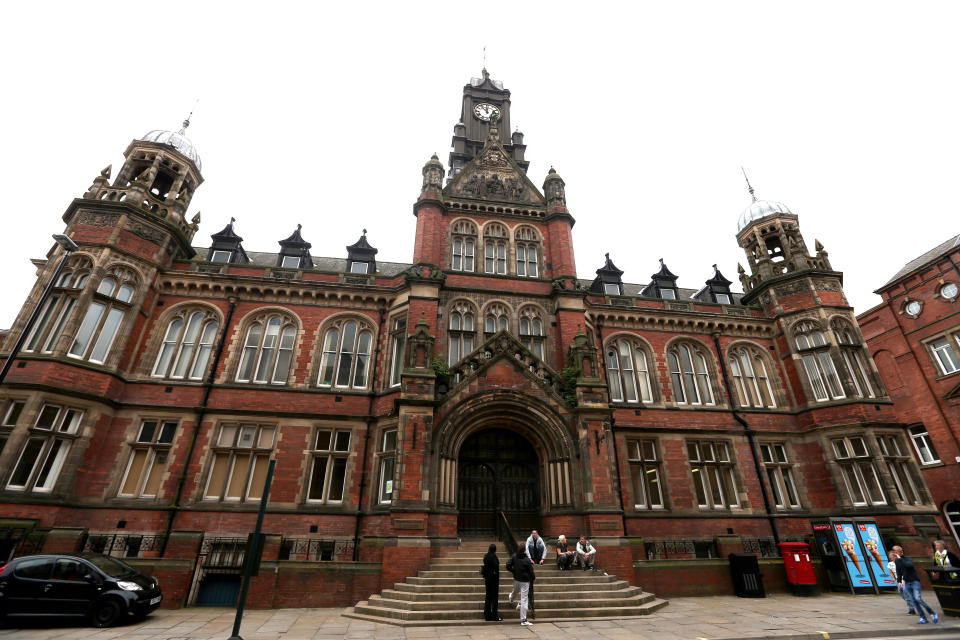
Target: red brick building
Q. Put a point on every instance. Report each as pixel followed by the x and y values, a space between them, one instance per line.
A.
pixel 914 337
pixel 409 404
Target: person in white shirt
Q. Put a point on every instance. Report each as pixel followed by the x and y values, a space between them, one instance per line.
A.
pixel 586 554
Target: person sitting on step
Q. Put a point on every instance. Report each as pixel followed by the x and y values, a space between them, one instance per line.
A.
pixel 586 554
pixel 565 555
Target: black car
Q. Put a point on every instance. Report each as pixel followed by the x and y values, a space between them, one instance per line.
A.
pixel 85 584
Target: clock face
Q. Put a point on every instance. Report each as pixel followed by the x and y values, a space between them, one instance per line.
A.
pixel 484 111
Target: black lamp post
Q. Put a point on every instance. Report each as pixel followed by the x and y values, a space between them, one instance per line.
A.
pixel 69 246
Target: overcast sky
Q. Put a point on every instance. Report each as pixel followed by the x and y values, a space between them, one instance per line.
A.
pixel 324 113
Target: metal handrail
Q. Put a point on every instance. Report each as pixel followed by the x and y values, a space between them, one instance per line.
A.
pixel 505 533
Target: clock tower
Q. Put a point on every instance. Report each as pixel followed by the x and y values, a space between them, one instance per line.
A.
pixel 483 98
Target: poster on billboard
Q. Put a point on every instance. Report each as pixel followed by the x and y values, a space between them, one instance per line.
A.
pixel 876 553
pixel 855 560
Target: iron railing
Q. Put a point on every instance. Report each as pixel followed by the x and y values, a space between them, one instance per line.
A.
pixel 315 549
pixel 763 547
pixel 674 549
pixel 223 554
pixel 20 541
pixel 124 545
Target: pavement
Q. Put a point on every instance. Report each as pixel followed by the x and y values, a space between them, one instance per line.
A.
pixel 781 616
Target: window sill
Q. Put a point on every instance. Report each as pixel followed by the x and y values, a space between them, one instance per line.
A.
pixel 932 465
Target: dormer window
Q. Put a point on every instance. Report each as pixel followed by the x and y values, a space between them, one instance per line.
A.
pixel 668 294
pixel 722 298
pixel 611 289
pixel 359 267
pixel 221 256
pixel 291 262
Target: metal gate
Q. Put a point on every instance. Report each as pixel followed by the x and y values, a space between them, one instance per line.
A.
pixel 216 581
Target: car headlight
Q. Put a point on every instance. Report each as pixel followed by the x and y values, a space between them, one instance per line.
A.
pixel 129 586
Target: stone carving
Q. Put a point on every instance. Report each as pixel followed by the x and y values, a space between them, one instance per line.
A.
pixel 505 344
pixel 493 158
pixel 145 232
pixel 96 219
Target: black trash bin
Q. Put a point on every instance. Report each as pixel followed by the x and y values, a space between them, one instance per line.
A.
pixel 946 584
pixel 747 579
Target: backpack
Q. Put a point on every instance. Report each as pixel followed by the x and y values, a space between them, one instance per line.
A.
pixel 510 565
pixel 907 562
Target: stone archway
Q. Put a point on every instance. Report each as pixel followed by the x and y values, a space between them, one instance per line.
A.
pixel 531 425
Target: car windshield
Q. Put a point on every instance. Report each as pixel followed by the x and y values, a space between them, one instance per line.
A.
pixel 110 566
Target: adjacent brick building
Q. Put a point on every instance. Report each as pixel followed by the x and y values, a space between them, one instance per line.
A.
pixel 914 337
pixel 409 404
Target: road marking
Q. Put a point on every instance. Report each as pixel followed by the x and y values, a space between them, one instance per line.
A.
pixel 826 636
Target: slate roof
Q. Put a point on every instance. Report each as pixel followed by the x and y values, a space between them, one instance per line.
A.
pixel 941 249
pixel 338 265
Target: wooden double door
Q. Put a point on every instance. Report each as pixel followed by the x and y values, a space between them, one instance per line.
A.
pixel 498 471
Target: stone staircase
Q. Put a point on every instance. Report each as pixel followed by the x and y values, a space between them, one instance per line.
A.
pixel 451 591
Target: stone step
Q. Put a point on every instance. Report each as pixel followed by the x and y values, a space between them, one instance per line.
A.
pixel 507 613
pixel 473 572
pixel 507 587
pixel 560 578
pixel 468 599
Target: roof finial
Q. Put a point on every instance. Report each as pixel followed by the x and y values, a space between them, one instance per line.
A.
pixel 232 219
pixel 299 226
pixel 484 59
pixel 749 186
pixel 186 123
pixel 364 232
pixel 661 262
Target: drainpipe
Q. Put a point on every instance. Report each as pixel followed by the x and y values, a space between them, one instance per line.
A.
pixel 208 387
pixel 750 440
pixel 613 429
pixel 366 440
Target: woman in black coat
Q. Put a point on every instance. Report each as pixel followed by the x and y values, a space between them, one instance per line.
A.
pixel 491 578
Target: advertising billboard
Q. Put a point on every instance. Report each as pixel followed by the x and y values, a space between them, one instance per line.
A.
pixel 876 553
pixel 854 557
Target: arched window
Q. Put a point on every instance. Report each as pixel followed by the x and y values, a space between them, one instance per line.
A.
pixel 690 375
pixel 628 372
pixel 187 345
pixel 267 350
pixel 528 245
pixel 495 248
pixel 463 245
pixel 345 361
pixel 531 331
pixel 58 307
pixel 750 378
pixel 99 327
pixel 851 350
pixel 495 319
pixel 819 367
pixel 461 332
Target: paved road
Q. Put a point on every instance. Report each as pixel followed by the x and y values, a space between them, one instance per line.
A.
pixel 710 618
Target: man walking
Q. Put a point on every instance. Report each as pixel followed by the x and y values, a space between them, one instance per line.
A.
pixel 537 552
pixel 523 577
pixel 908 578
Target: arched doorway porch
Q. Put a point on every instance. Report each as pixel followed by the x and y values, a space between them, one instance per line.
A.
pixel 504 450
pixel 498 471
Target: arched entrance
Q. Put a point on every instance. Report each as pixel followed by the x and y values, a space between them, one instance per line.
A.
pixel 498 471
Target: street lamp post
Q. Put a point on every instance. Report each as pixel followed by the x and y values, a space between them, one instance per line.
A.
pixel 69 246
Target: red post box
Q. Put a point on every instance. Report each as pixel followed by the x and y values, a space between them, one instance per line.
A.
pixel 799 568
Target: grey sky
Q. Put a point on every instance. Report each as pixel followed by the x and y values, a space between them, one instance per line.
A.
pixel 323 114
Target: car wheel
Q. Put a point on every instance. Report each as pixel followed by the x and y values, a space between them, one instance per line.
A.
pixel 106 613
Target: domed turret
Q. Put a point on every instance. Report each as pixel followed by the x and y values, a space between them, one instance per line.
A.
pixel 760 209
pixel 177 140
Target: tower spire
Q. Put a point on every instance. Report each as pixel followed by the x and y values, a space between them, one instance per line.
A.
pixel 749 186
pixel 186 123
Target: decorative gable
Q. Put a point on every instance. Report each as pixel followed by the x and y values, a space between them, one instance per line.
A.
pixel 501 349
pixel 494 175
